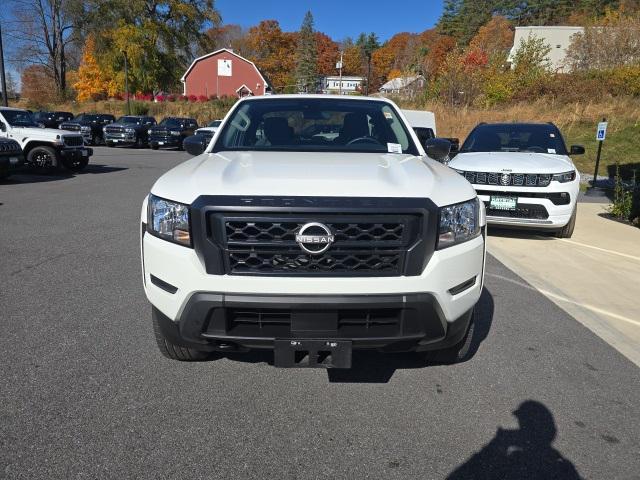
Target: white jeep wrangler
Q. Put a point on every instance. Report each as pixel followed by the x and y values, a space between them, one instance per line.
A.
pixel 43 148
pixel 285 235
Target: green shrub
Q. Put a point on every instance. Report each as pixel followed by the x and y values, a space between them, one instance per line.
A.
pixel 622 206
pixel 139 108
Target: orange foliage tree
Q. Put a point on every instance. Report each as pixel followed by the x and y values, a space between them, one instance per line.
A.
pixel 328 54
pixel 91 81
pixel 37 86
pixel 273 52
pixel 495 37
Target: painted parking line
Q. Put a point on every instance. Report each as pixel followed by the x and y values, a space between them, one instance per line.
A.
pixel 566 300
pixel 613 252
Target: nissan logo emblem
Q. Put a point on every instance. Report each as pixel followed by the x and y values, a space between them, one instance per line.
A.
pixel 315 238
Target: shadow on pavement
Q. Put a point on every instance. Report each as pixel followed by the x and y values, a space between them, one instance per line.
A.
pixel 27 176
pixel 523 453
pixel 99 168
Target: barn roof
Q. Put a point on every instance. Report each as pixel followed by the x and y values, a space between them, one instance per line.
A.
pixel 184 77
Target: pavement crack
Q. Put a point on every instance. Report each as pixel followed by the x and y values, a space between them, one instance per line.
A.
pixel 34 265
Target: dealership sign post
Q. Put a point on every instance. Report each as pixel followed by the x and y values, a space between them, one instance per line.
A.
pixel 601 134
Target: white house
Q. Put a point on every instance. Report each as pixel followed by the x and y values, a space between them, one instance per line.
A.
pixel 557 37
pixel 331 84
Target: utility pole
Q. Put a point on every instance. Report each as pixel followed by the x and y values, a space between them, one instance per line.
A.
pixel 340 68
pixel 3 80
pixel 126 82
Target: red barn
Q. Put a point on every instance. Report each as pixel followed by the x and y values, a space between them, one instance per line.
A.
pixel 224 73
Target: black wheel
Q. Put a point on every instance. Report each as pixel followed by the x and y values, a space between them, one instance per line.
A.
pixel 108 144
pixel 43 159
pixel 456 353
pixel 567 230
pixel 75 164
pixel 154 146
pixel 173 351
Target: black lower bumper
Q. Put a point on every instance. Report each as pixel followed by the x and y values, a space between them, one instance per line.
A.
pixel 165 142
pixel 76 153
pixel 230 322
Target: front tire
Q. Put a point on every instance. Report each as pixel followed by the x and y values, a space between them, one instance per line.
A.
pixel 43 159
pixel 175 352
pixel 567 230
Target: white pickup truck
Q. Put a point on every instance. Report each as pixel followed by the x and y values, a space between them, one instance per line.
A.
pixel 313 225
pixel 43 148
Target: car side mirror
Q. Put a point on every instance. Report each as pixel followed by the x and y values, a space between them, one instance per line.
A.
pixel 576 150
pixel 195 144
pixel 437 148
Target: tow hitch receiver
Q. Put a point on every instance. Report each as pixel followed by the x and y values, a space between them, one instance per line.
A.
pixel 312 354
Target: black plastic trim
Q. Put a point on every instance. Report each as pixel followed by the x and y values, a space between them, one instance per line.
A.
pixel 167 287
pixel 466 285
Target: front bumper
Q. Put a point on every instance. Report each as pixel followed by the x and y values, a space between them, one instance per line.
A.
pixel 229 322
pixel 75 153
pixel 208 311
pixel 170 141
pixel 121 138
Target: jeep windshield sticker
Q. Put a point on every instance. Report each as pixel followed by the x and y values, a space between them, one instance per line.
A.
pixel 551 150
pixel 394 148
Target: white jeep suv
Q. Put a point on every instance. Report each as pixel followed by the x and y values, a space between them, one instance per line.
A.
pixel 523 174
pixel 43 148
pixel 278 237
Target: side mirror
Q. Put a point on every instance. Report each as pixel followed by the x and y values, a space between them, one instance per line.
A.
pixel 576 150
pixel 455 144
pixel 195 144
pixel 437 148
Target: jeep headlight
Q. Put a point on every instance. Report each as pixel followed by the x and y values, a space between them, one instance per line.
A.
pixel 175 133
pixel 169 220
pixel 459 223
pixel 564 177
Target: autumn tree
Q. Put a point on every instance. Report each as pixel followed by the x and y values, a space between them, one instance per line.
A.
pixel 37 85
pixel 436 53
pixel 91 81
pixel 328 54
pixel 270 48
pixel 493 38
pixel 306 56
pixel 352 59
pixel 228 36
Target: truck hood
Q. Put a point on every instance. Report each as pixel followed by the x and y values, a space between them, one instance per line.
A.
pixel 48 134
pixel 515 162
pixel 313 174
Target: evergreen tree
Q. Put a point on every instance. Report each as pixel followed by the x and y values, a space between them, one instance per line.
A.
pixel 307 57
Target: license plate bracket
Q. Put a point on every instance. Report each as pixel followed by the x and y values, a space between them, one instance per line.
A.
pixel 315 353
pixel 503 202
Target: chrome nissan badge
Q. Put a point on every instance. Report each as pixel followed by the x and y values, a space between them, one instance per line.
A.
pixel 314 238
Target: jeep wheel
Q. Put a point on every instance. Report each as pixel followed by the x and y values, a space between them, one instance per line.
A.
pixel 75 164
pixel 43 159
pixel 567 230
pixel 173 351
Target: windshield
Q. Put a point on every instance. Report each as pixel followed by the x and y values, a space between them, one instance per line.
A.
pixel 535 138
pixel 86 118
pixel 171 122
pixel 19 118
pixel 312 124
pixel 215 123
pixel 134 120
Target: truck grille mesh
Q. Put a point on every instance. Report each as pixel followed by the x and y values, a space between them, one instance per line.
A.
pixel 73 141
pixel 507 179
pixel 366 245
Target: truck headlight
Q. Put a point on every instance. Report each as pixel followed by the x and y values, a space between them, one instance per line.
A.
pixel 175 133
pixel 104 129
pixel 130 130
pixel 169 220
pixel 564 177
pixel 459 223
pixel 149 132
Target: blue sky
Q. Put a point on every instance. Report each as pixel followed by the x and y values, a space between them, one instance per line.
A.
pixel 337 18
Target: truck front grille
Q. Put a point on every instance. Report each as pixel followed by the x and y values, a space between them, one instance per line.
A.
pixel 370 236
pixel 507 179
pixel 73 141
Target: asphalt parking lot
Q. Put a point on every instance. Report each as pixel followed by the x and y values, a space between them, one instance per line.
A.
pixel 84 392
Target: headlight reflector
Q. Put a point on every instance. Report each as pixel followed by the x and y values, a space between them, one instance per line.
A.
pixel 175 133
pixel 564 177
pixel 169 220
pixel 459 223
